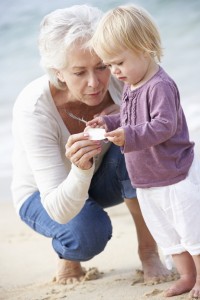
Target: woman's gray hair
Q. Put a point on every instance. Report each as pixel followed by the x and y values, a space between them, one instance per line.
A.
pixel 61 30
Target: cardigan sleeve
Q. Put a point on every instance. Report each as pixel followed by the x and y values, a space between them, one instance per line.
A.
pixel 63 191
pixel 164 107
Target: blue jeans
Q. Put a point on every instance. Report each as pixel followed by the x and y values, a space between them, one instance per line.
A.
pixel 87 234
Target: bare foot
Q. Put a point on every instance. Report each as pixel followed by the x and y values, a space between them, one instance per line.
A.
pixel 69 272
pixel 154 271
pixel 183 285
pixel 195 292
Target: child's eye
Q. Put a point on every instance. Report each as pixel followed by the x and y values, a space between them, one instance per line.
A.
pixel 116 64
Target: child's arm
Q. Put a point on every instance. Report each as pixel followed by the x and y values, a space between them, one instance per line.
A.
pixel 108 122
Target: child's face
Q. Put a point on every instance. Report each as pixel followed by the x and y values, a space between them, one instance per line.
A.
pixel 130 67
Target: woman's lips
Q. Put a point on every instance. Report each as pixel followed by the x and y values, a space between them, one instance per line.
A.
pixel 94 94
pixel 121 78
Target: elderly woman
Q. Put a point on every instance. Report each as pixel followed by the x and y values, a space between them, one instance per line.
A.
pixel 62 180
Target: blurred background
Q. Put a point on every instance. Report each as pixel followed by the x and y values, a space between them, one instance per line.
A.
pixel 179 24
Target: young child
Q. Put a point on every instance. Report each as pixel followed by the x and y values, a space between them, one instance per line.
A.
pixel 153 134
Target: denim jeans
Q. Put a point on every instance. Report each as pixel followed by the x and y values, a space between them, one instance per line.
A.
pixel 87 234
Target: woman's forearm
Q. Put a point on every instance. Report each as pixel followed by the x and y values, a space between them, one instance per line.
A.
pixel 63 203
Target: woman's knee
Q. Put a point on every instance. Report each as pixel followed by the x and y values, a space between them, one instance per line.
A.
pixel 86 235
pixel 127 190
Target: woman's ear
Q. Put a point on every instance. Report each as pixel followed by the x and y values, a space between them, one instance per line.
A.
pixel 60 76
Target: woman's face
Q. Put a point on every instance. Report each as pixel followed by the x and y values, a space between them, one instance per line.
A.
pixel 86 76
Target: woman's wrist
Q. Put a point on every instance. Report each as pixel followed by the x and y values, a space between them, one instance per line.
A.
pixel 85 166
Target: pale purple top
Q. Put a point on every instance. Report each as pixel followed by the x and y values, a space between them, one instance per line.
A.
pixel 157 148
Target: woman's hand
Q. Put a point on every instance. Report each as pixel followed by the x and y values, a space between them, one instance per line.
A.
pixel 80 150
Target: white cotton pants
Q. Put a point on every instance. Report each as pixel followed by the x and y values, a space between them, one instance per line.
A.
pixel 172 213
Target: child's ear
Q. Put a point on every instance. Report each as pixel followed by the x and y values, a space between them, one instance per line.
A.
pixel 147 55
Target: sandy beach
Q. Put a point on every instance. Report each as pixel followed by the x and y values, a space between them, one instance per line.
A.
pixel 28 264
pixel 27 260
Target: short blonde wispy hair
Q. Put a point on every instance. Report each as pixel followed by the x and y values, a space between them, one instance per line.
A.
pixel 127 27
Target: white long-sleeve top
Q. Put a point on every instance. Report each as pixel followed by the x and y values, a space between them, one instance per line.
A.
pixel 39 161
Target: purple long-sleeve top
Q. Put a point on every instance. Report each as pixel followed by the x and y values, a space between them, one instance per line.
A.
pixel 157 148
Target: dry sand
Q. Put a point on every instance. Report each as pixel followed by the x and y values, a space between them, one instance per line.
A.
pixel 27 264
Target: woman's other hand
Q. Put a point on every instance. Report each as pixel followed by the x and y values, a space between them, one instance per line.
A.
pixel 80 150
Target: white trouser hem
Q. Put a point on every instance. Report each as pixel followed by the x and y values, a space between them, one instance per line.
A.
pixel 178 249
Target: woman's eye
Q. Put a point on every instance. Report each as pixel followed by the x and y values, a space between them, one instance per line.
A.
pixel 103 67
pixel 120 63
pixel 78 73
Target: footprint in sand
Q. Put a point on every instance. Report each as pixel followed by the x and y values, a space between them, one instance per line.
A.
pixel 92 274
pixel 138 277
pixel 153 293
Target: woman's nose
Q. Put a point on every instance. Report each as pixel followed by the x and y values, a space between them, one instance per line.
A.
pixel 93 81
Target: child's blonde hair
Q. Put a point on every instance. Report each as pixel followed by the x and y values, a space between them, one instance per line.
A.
pixel 126 27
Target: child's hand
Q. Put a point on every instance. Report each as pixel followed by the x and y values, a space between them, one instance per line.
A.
pixel 116 136
pixel 97 122
pixel 95 129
